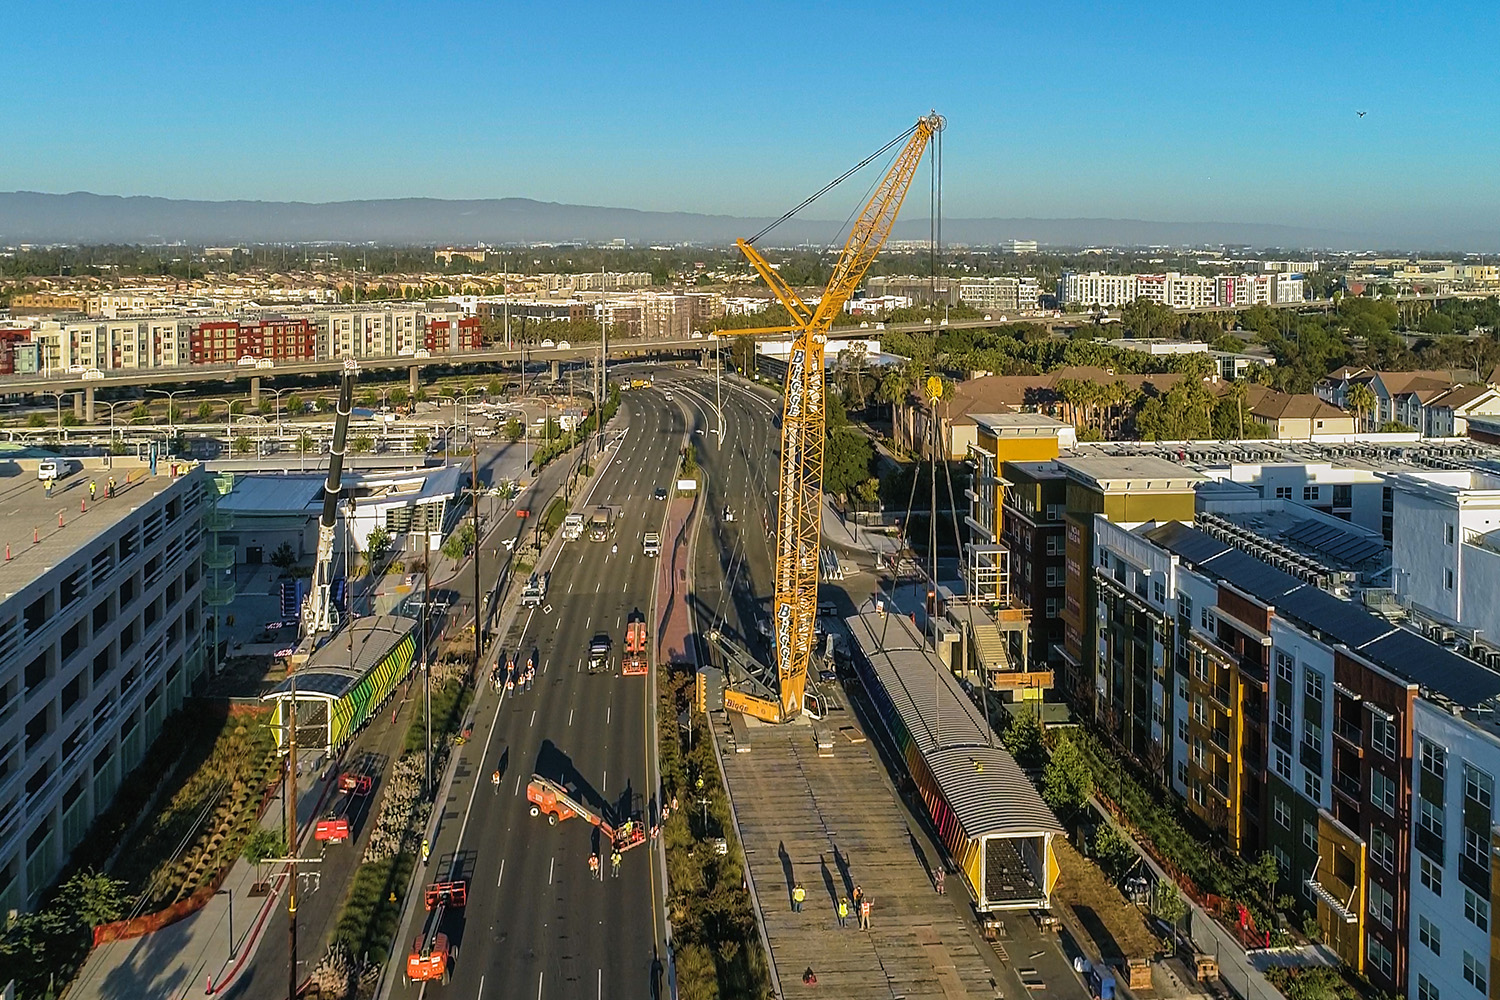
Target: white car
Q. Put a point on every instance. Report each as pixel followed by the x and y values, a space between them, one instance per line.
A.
pixel 248 362
pixel 563 345
pixel 547 343
pixel 93 375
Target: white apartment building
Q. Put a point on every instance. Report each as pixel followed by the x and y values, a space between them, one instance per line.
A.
pixel 1453 837
pixel 1180 291
pixel 101 637
pixel 1361 496
pixel 1006 294
pixel 1095 289
pixel 1445 547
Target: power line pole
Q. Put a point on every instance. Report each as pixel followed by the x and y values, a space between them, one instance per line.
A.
pixel 478 598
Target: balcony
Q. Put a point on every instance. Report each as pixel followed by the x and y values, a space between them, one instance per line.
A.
pixel 1311 757
pixel 1350 734
pixel 1220 694
pixel 1220 786
pixel 1430 844
pixel 1220 739
pixel 1348 786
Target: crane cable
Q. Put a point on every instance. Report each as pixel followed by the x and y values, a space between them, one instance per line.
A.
pixel 838 180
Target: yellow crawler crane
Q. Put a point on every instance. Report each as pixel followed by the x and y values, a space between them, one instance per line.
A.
pixel 800 482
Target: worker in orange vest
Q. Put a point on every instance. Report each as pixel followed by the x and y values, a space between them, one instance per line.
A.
pixel 864 914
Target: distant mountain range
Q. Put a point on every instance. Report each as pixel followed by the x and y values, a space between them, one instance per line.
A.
pixel 80 217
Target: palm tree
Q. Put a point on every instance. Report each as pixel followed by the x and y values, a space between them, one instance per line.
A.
pixel 1361 399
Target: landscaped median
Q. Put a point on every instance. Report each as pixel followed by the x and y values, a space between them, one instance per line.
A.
pixel 717 950
pixel 365 935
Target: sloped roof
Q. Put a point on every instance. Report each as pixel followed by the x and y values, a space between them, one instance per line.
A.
pixel 1461 395
pixel 979 779
pixel 1274 405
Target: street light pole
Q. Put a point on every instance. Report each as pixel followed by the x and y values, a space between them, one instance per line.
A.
pixel 230 894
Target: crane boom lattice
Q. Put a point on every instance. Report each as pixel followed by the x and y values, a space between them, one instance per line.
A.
pixel 800 482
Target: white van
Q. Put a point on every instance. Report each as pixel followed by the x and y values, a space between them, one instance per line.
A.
pixel 55 468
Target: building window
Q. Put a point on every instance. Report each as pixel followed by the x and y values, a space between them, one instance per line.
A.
pixel 1382 906
pixel 1283 493
pixel 1379 955
pixel 1054 575
pixel 1205 621
pixel 1312 736
pixel 1282 812
pixel 1285 669
pixel 1425 989
pixel 1159 592
pixel 1475 974
pixel 1282 763
pixel 1054 512
pixel 1434 759
pixel 1479 788
pixel 1312 787
pixel 1430 875
pixel 1382 848
pixel 1477 846
pixel 1309 493
pixel 1476 909
pixel 1309 835
pixel 1383 735
pixel 1430 935
pixel 1283 862
pixel 1054 545
pixel 1448 534
pixel 1447 579
pixel 1312 685
pixel 1185 607
pixel 1054 605
pixel 1284 715
pixel 1430 817
pixel 1182 730
pixel 1382 793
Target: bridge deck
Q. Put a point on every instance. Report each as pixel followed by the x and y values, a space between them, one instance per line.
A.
pixel 831 823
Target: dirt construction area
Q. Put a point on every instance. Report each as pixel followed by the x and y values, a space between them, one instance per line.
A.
pixel 1096 913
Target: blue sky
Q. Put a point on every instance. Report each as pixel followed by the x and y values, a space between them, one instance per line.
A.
pixel 1164 111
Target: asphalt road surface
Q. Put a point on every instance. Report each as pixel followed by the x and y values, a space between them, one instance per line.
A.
pixel 536 923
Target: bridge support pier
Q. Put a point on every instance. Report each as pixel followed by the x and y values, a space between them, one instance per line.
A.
pixel 88 405
pixel 255 390
pixel 78 405
pixel 556 370
pixel 413 379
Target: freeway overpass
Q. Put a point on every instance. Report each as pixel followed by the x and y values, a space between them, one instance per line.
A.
pixel 74 381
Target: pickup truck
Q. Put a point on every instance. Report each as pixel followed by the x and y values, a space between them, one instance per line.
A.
pixel 572 526
pixel 599 653
pixel 651 544
pixel 535 590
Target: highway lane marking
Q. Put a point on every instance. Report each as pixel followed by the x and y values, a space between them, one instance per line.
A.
pixel 551 867
pixel 481 989
pixel 607 710
pixel 604 785
pixel 518 784
pixel 533 717
pixel 538 986
pixel 570 716
pixel 600 980
pixel 498 881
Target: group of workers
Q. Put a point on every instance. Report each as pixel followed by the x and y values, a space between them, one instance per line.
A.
pixel 109 488
pixel 861 906
pixel 513 676
pixel 614 864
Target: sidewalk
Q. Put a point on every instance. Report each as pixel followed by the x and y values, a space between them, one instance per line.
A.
pixel 181 960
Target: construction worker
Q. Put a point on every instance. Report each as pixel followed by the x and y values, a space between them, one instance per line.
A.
pixel 614 864
pixel 109 489
pixel 864 914
pixel 858 897
pixel 495 778
pixel 48 487
pixel 593 866
pixel 798 895
pixel 426 850
pixel 843 911
pixel 93 489
pixel 937 881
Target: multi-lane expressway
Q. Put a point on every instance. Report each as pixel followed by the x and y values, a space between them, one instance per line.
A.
pixel 536 924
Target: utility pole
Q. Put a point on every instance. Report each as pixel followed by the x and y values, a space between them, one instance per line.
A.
pixel 474 489
pixel 291 840
pixel 426 657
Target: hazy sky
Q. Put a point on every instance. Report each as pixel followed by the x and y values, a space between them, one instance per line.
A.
pixel 1163 111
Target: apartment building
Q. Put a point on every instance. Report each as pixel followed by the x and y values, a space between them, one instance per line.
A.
pixel 1360 495
pixel 1445 548
pixel 1126 490
pixel 101 637
pixel 918 289
pixel 1033 531
pixel 1454 946
pixel 1179 291
pixel 999 293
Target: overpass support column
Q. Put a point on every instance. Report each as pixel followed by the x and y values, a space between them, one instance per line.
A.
pixel 88 405
pixel 414 380
pixel 255 390
pixel 556 370
pixel 78 404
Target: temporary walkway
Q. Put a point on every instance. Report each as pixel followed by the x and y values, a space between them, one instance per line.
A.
pixel 345 681
pixel 988 813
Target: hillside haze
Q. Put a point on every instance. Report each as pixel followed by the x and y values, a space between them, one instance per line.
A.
pixel 80 217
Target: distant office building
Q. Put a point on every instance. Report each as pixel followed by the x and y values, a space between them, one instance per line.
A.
pixel 1020 246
